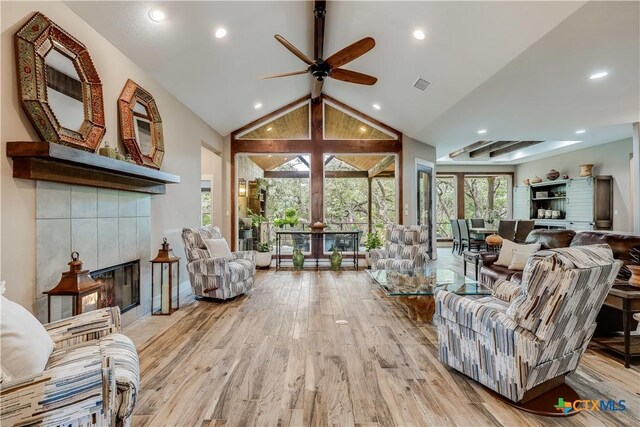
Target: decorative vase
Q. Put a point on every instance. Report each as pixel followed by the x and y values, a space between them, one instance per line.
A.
pixel 263 260
pixel 107 151
pixel 493 240
pixel 336 259
pixel 526 181
pixel 298 259
pixel 536 180
pixel 552 175
pixel 634 280
pixel 585 170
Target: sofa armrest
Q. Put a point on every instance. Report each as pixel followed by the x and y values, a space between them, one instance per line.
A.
pixel 376 254
pixel 84 327
pixel 70 394
pixel 481 318
pixel 488 258
pixel 248 255
pixel 209 267
pixel 505 290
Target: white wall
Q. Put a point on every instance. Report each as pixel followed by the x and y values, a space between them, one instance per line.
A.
pixel 413 150
pixel 609 159
pixel 476 168
pixel 184 134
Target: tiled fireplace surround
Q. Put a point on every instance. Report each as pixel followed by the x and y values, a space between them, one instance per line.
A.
pixel 106 227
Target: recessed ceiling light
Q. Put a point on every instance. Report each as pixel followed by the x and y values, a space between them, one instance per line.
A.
pixel 220 33
pixel 481 131
pixel 156 15
pixel 419 34
pixel 269 129
pixel 363 129
pixel 579 131
pixel 257 106
pixel 376 106
pixel 599 75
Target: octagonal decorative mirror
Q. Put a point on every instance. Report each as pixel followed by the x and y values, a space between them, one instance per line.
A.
pixel 141 125
pixel 59 86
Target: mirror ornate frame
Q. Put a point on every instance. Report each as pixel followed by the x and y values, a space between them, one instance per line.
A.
pixel 133 94
pixel 33 42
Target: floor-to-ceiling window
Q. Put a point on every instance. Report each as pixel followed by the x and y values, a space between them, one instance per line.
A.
pixel 340 193
pixel 359 192
pixel 486 196
pixel 471 195
pixel 446 208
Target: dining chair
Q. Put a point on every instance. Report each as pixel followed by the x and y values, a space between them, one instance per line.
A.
pixel 465 238
pixel 477 223
pixel 507 229
pixel 455 233
pixel 523 228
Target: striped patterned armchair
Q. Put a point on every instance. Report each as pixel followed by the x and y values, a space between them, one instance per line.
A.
pixel 405 248
pixel 526 335
pixel 92 377
pixel 218 278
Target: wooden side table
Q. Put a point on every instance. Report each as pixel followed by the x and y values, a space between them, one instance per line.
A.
pixel 472 257
pixel 625 298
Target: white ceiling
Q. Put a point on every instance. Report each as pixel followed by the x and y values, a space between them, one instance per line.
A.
pixel 519 69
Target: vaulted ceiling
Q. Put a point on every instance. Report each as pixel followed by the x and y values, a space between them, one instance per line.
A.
pixel 518 69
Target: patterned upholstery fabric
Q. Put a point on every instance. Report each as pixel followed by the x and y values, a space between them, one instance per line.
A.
pixel 216 277
pixel 405 248
pixel 519 338
pixel 91 379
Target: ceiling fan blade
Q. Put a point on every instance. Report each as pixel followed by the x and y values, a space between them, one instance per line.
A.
pixel 275 76
pixel 293 49
pixel 319 12
pixel 316 90
pixel 351 52
pixel 352 77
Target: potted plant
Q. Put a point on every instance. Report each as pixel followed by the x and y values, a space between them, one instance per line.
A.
pixel 291 217
pixel 373 242
pixel 256 220
pixel 278 222
pixel 263 256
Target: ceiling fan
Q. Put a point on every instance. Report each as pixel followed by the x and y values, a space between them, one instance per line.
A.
pixel 320 68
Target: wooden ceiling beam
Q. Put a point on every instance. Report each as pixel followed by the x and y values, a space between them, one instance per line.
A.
pixel 468 148
pixel 305 174
pixel 495 145
pixel 382 165
pixel 514 147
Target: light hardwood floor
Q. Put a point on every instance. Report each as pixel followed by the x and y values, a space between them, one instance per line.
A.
pixel 276 357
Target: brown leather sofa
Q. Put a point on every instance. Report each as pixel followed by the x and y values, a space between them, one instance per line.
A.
pixel 625 248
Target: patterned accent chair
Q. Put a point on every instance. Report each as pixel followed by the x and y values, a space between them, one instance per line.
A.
pixel 405 248
pixel 92 377
pixel 216 277
pixel 524 336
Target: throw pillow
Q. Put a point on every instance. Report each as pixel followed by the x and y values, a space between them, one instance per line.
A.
pixel 25 344
pixel 506 251
pixel 519 260
pixel 218 248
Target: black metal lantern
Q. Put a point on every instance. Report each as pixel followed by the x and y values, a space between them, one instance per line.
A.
pixel 165 273
pixel 77 284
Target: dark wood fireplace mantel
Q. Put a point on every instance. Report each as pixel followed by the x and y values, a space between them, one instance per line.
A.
pixel 43 161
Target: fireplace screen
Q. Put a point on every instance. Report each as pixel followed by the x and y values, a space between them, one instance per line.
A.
pixel 123 285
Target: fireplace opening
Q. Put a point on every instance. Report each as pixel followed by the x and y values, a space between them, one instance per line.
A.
pixel 122 285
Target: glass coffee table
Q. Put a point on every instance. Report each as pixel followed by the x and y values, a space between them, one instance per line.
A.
pixel 415 288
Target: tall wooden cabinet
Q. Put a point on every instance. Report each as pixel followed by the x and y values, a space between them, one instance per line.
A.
pixel 584 203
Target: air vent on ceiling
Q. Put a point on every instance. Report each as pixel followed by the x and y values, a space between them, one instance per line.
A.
pixel 421 84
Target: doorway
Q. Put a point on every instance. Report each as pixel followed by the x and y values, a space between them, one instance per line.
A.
pixel 425 198
pixel 210 187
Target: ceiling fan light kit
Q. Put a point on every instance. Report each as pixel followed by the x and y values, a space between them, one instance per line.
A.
pixel 320 68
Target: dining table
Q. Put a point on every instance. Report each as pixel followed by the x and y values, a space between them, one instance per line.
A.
pixel 482 232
